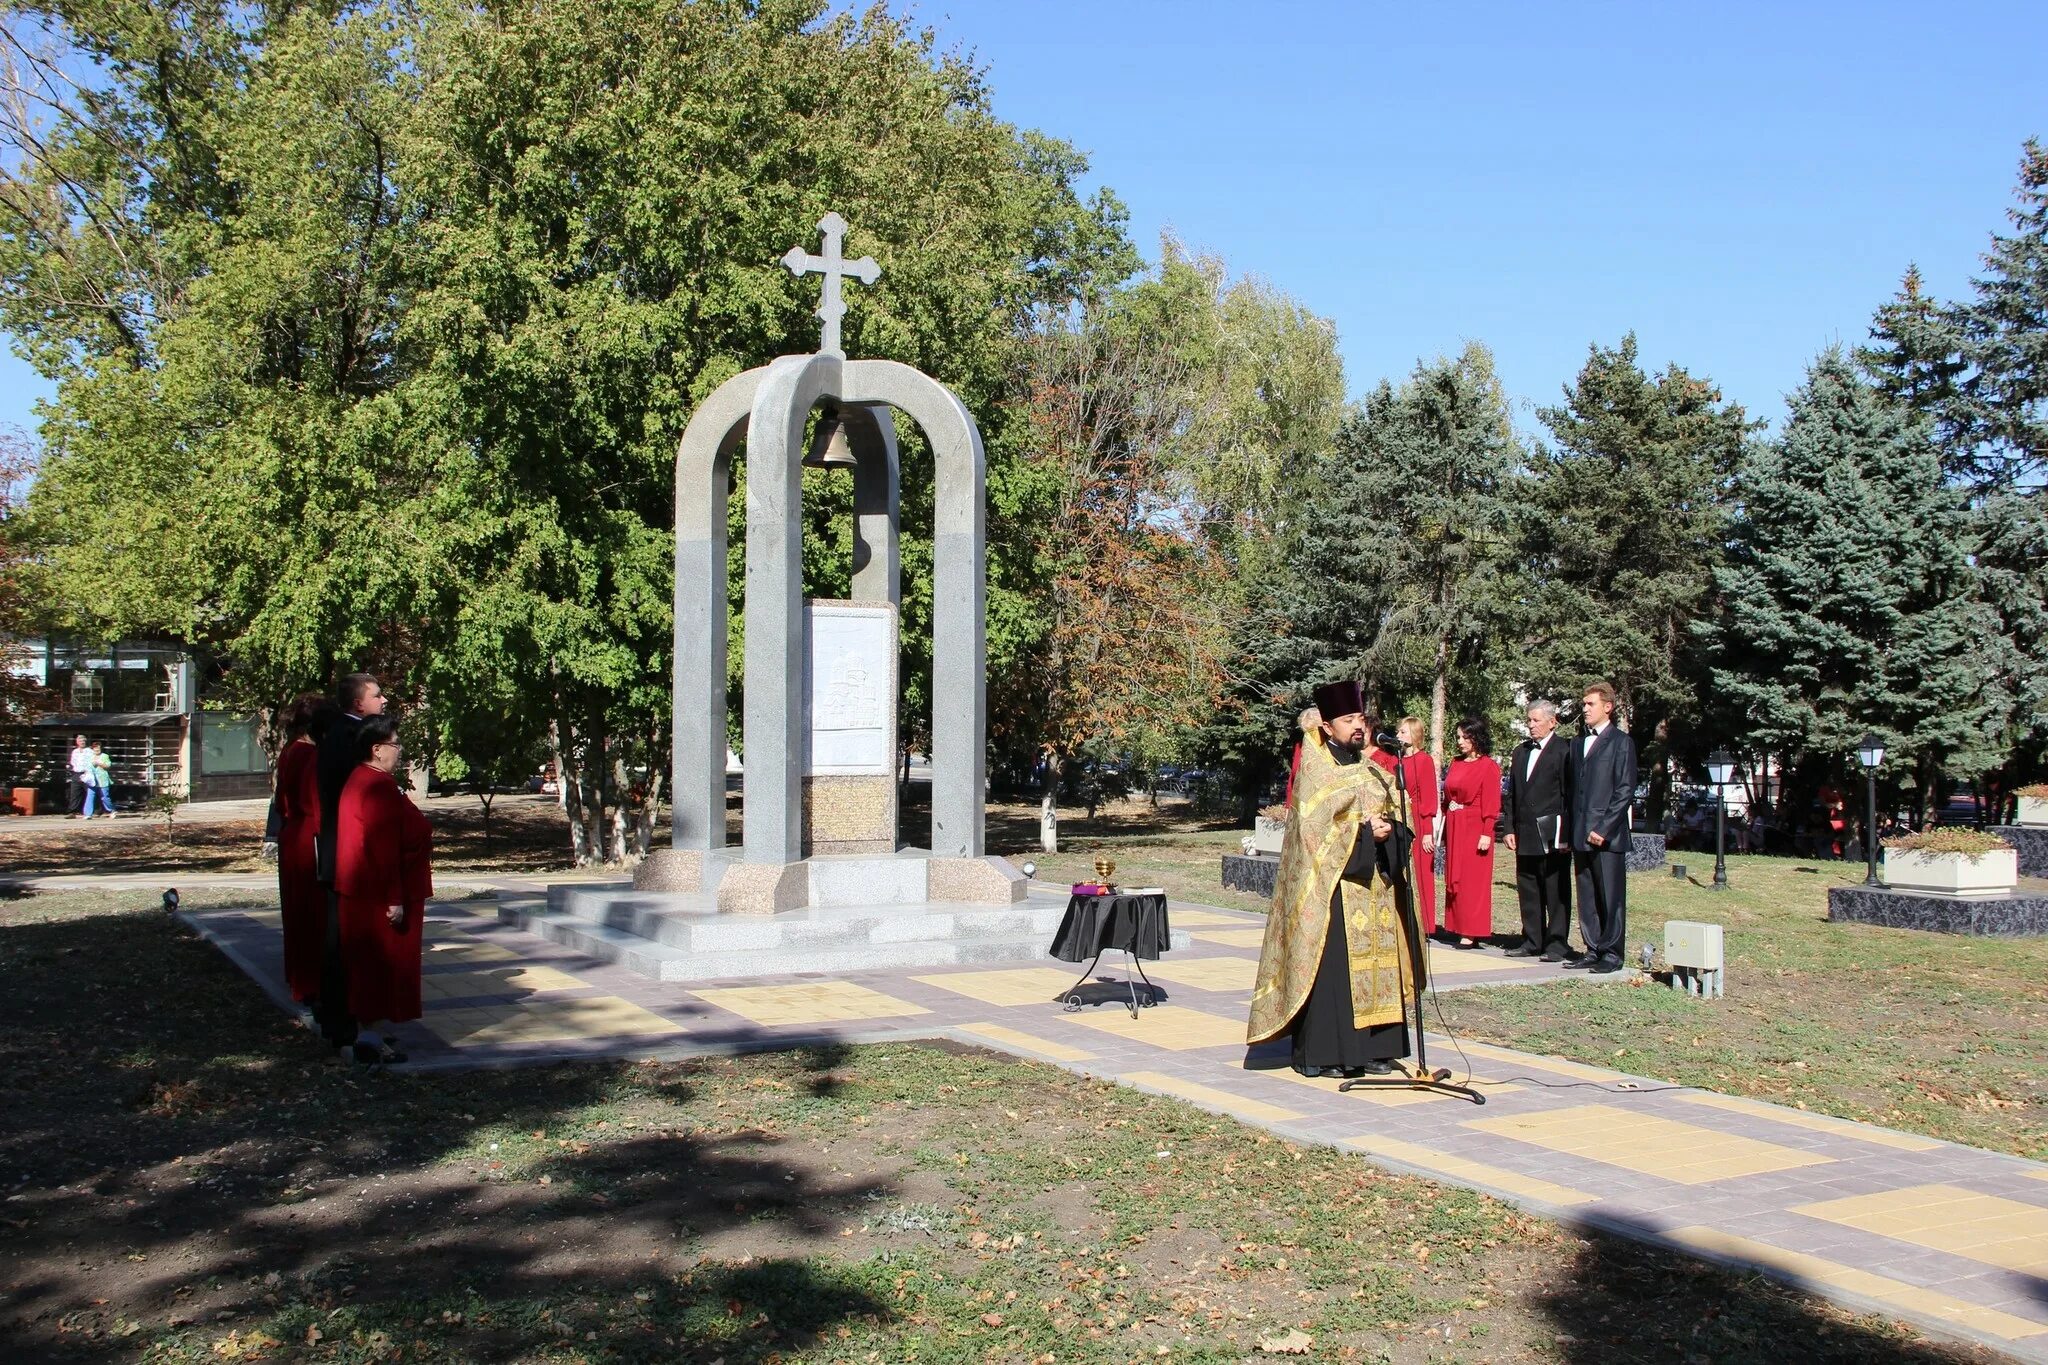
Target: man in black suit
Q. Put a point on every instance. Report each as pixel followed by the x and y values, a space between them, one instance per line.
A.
pixel 1603 787
pixel 1535 821
pixel 360 697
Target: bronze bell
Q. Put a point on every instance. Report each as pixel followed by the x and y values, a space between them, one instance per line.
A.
pixel 829 448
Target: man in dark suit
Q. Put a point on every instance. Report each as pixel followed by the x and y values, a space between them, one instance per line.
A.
pixel 360 697
pixel 1603 787
pixel 1535 821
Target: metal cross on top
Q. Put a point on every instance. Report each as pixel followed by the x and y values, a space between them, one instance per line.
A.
pixel 834 267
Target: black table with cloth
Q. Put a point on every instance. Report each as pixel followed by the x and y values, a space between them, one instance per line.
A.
pixel 1132 923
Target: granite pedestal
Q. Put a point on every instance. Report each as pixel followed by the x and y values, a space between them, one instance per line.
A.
pixel 2031 841
pixel 686 936
pixel 1254 875
pixel 2015 913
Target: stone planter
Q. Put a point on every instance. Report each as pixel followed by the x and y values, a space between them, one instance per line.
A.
pixel 2033 812
pixel 1951 874
pixel 1268 835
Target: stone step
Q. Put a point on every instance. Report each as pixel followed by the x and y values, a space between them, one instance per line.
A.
pixel 687 921
pixel 909 941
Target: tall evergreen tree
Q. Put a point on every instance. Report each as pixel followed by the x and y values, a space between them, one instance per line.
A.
pixel 1847 600
pixel 1400 551
pixel 2005 334
pixel 1629 511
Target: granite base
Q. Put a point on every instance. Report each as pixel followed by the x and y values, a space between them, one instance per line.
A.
pixel 1646 852
pixel 2031 841
pixel 1252 875
pixel 2019 913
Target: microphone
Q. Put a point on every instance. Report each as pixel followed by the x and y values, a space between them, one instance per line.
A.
pixel 1387 740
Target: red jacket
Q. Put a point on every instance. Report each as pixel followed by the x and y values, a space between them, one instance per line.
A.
pixel 381 845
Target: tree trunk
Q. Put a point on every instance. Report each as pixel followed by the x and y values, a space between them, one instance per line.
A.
pixel 569 788
pixel 1439 698
pixel 1049 822
pixel 485 796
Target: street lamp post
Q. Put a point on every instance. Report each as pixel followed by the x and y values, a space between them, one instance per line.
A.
pixel 1870 753
pixel 1721 768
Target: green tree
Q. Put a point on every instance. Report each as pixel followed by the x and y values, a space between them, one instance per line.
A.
pixel 1847 600
pixel 374 330
pixel 1628 512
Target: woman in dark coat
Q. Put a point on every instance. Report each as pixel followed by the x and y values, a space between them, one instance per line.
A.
pixel 301 898
pixel 383 878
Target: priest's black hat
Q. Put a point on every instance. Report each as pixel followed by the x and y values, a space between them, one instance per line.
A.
pixel 1336 699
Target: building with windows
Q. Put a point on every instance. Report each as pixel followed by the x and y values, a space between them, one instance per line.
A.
pixel 144 702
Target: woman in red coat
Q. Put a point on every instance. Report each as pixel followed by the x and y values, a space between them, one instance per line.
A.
pixel 299 894
pixel 382 878
pixel 1472 799
pixel 1419 770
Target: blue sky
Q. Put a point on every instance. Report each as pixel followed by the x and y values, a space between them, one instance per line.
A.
pixel 1740 184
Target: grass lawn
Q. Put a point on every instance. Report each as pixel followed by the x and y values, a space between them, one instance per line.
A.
pixel 181 1180
pixel 1934 1033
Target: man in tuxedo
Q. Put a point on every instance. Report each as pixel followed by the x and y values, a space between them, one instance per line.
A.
pixel 1603 786
pixel 359 697
pixel 1535 821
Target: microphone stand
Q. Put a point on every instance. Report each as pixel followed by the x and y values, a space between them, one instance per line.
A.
pixel 1414 972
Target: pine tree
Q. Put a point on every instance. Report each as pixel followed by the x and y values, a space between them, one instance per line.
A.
pixel 1630 509
pixel 1916 357
pixel 1848 602
pixel 2005 334
pixel 1399 563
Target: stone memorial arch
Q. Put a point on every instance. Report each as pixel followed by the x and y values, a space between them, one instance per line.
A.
pixel 782 862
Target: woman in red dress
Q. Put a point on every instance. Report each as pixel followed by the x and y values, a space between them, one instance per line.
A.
pixel 1424 804
pixel 300 896
pixel 1472 797
pixel 383 879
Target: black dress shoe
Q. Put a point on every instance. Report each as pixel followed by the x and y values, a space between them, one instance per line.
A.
pixel 1524 950
pixel 1582 961
pixel 1467 945
pixel 1605 966
pixel 1555 956
pixel 1378 1068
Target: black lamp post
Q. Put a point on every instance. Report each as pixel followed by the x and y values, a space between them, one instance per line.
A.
pixel 1720 768
pixel 1870 753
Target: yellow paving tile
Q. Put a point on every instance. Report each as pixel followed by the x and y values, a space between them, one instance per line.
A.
pixel 1169 1026
pixel 1895 1293
pixel 1231 938
pixel 1209 919
pixel 1819 1123
pixel 1679 1152
pixel 461 950
pixel 809 1002
pixel 1556 1066
pixel 1017 986
pixel 1209 1097
pixel 1015 1041
pixel 547 1021
pixel 2038 1175
pixel 1451 962
pixel 1208 973
pixel 1467 1172
pixel 1390 1096
pixel 2001 1232
pixel 497 981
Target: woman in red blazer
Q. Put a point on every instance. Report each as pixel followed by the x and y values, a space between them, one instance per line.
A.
pixel 382 877
pixel 1472 805
pixel 299 893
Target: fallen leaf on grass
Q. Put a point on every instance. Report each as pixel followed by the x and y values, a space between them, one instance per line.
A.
pixel 1295 1343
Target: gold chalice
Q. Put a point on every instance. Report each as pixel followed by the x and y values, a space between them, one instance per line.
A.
pixel 1105 868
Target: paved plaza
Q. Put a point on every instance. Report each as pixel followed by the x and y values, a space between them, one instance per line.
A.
pixel 1950 1238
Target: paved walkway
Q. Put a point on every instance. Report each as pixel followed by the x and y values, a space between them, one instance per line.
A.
pixel 1952 1239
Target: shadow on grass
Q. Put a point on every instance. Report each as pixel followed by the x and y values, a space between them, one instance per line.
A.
pixel 1623 1300
pixel 173 1151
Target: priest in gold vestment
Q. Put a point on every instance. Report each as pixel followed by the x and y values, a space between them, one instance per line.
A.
pixel 1339 946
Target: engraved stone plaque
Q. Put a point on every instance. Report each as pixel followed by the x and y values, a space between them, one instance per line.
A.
pixel 850 753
